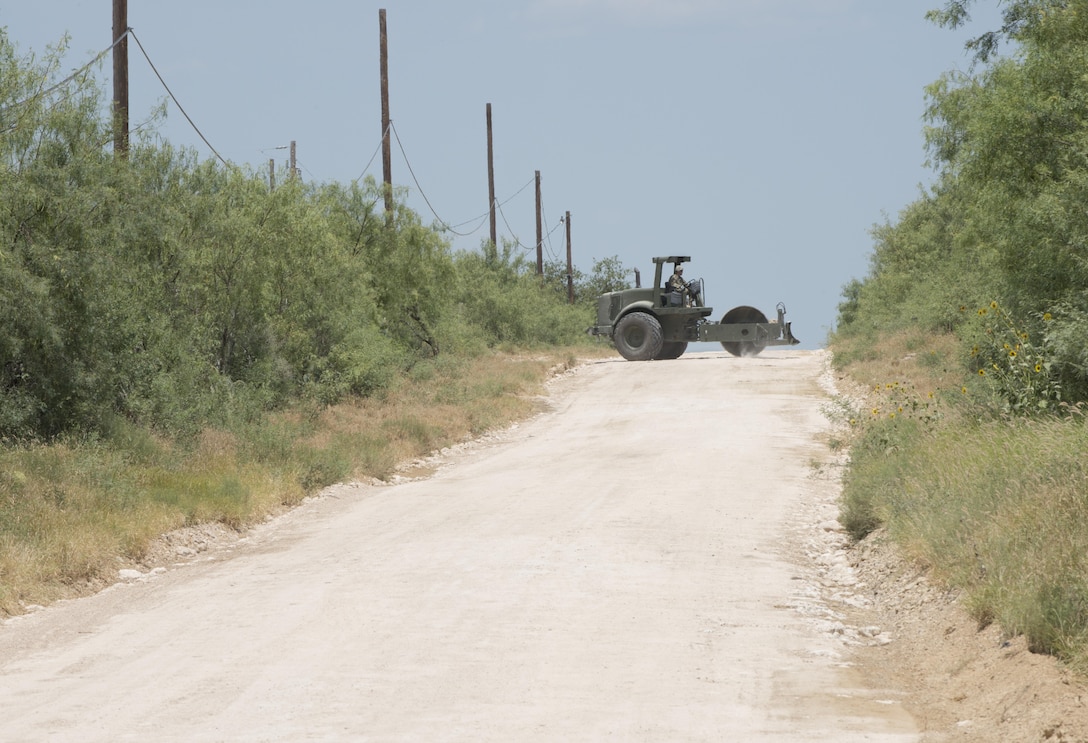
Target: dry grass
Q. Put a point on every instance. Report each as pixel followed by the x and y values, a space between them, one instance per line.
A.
pixel 925 361
pixel 68 511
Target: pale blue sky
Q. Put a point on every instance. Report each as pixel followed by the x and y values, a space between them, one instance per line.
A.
pixel 762 137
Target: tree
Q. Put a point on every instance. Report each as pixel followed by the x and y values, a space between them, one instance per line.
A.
pixel 1018 17
pixel 607 275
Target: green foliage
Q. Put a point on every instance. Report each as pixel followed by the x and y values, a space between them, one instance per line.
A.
pixel 917 269
pixel 1065 333
pixel 1017 365
pixel 558 279
pixel 1006 218
pixel 607 275
pixel 500 300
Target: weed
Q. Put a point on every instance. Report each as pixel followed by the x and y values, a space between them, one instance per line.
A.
pixel 995 504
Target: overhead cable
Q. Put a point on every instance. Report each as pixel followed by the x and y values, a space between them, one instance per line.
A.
pixel 376 151
pixel 517 240
pixel 445 225
pixel 174 98
pixel 499 204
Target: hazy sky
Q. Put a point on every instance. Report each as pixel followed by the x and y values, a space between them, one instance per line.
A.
pixel 762 137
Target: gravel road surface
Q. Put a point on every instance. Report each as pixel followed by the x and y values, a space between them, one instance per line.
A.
pixel 629 565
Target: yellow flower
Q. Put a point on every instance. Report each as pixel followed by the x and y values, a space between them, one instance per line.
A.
pixel 993 305
pixel 876 411
pixel 1038 368
pixel 1012 354
pixel 982 312
pixel 963 390
pixel 963 308
pixel 1047 317
pixel 982 372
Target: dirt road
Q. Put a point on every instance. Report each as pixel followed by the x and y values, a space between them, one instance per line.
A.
pixel 627 566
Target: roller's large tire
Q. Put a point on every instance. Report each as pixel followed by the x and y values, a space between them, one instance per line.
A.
pixel 744 314
pixel 672 350
pixel 638 337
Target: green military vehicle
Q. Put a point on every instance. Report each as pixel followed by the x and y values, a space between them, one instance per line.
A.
pixel 658 323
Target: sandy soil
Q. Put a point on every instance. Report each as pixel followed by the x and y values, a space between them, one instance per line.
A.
pixel 962 682
pixel 654 559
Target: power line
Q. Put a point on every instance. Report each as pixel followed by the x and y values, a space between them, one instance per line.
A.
pixel 400 146
pixel 547 236
pixel 376 151
pixel 498 204
pixel 517 240
pixel 174 98
pixel 446 225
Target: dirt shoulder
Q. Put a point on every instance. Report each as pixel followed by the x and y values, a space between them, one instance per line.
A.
pixel 961 682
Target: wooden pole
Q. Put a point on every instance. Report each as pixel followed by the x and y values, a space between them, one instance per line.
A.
pixel 539 230
pixel 387 149
pixel 120 78
pixel 271 174
pixel 570 265
pixel 491 180
pixel 293 170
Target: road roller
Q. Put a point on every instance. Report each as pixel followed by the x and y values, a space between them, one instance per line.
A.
pixel 658 322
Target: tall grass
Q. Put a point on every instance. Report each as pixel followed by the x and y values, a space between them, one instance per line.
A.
pixel 997 506
pixel 69 510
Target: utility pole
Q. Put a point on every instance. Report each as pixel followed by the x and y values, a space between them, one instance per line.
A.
pixel 271 174
pixel 120 78
pixel 539 230
pixel 294 162
pixel 570 265
pixel 491 179
pixel 387 150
